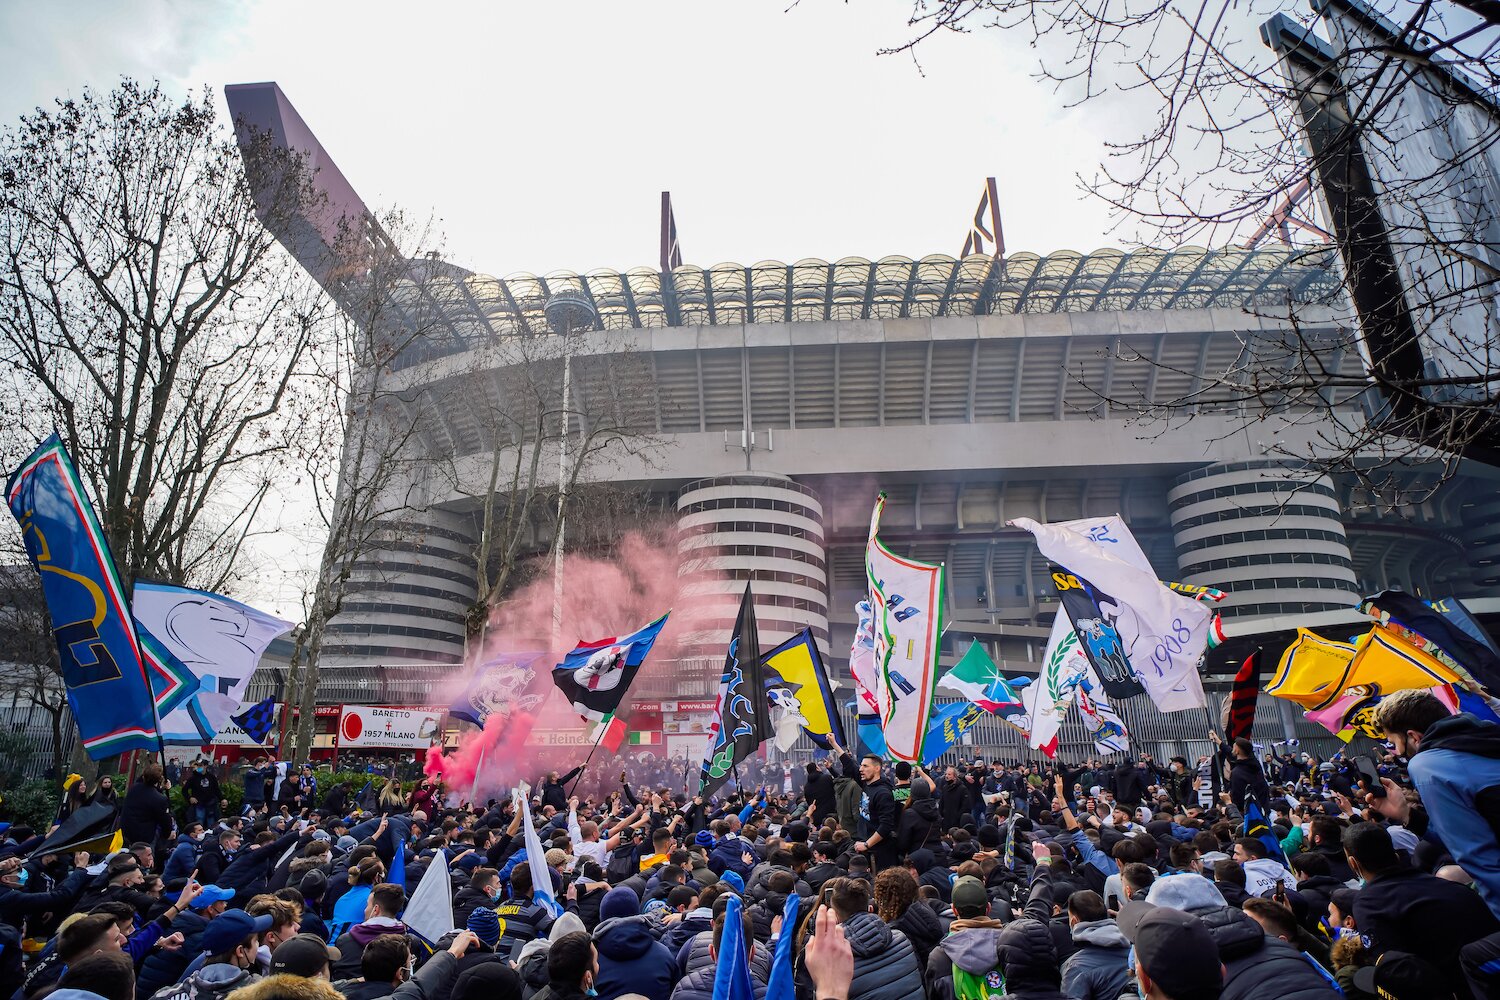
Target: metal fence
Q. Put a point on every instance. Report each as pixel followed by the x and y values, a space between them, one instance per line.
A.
pixel 34 725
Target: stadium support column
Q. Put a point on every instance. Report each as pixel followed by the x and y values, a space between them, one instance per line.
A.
pixel 1482 525
pixel 761 528
pixel 1270 537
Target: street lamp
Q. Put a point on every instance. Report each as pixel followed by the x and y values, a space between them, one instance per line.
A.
pixel 567 309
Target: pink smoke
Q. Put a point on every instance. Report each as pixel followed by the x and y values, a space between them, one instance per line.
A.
pixel 484 761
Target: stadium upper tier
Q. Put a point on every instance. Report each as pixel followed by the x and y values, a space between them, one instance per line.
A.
pixel 474 307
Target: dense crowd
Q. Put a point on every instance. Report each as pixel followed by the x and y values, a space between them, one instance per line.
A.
pixel 1371 877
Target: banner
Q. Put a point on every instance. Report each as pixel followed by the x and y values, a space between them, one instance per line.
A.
pixel 1104 724
pixel 862 669
pixel 799 695
pixel 743 715
pixel 1163 634
pixel 213 641
pixel 399 728
pixel 595 676
pixel 1441 633
pixel 98 652
pixel 542 889
pixel 505 683
pixel 907 598
pixel 977 679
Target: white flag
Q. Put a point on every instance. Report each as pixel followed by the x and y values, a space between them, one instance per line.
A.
pixel 218 641
pixel 907 598
pixel 429 912
pixel 1164 633
pixel 1048 697
pixel 536 858
pixel 1103 722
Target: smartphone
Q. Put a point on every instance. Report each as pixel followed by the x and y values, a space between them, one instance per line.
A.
pixel 1114 902
pixel 1370 777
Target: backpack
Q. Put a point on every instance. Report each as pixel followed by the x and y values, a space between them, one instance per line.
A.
pixel 622 865
pixel 978 986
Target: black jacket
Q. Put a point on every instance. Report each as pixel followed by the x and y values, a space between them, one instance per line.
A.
pixel 819 794
pixel 922 928
pixel 1257 967
pixel 146 815
pixel 465 902
pixel 1432 918
pixel 1246 778
pixel 16 905
pixel 878 814
pixel 954 804
pixel 919 821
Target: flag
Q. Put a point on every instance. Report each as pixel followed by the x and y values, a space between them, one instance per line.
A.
pixel 257 720
pixel 1041 720
pixel 429 912
pixel 782 984
pixel 732 975
pixel 1104 724
pixel 93 828
pixel 639 739
pixel 98 651
pixel 595 676
pixel 907 598
pixel 799 695
pixel 1047 699
pixel 948 725
pixel 1161 634
pixel 1343 682
pixel 506 683
pixel 395 872
pixel 1454 610
pixel 1352 714
pixel 862 669
pixel 213 641
pixel 1208 595
pixel 1084 609
pixel 536 858
pixel 1399 611
pixel 742 716
pixel 1257 827
pixel 976 678
pixel 1242 698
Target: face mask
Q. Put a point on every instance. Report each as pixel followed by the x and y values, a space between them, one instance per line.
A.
pixel 22 877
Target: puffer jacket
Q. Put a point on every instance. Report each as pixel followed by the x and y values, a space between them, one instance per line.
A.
pixel 971 945
pixel 465 902
pixel 631 960
pixel 1096 971
pixel 694 957
pixel 164 968
pixel 885 966
pixel 922 928
pixel 1031 966
pixel 726 857
pixel 212 982
pixel 532 967
pixel 1257 967
pixel 700 985
pixel 684 930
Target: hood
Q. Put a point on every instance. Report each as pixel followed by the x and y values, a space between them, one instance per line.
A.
pixel 921 791
pixel 568 923
pixel 622 939
pixel 922 859
pixel 1235 934
pixel 222 977
pixel 1099 934
pixel 925 806
pixel 975 950
pixel 289 987
pixel 1463 733
pixel 533 964
pixel 364 933
pixel 868 935
pixel 1320 882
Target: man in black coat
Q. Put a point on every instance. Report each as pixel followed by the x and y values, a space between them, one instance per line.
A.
pixel 146 815
pixel 954 800
pixel 877 814
pixel 819 793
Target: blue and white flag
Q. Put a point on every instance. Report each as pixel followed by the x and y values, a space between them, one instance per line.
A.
pixel 215 640
pixel 782 985
pixel 257 720
pixel 542 890
pixel 732 975
pixel 504 684
pixel 98 650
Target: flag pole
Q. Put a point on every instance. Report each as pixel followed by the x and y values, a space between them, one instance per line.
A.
pixel 584 770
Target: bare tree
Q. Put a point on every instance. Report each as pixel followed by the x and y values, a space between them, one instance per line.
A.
pixel 148 317
pixel 29 669
pixel 1392 123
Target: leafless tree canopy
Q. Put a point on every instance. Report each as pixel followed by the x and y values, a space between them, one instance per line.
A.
pixel 148 317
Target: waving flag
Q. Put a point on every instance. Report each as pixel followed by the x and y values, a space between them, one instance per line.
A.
pixel 742 718
pixel 212 640
pixel 862 669
pixel 1104 724
pixel 1161 634
pixel 782 984
pixel 732 975
pixel 99 653
pixel 907 598
pixel 978 680
pixel 536 858
pixel 1439 631
pixel 257 720
pixel 429 912
pixel 504 684
pixel 1242 698
pixel 595 676
pixel 799 695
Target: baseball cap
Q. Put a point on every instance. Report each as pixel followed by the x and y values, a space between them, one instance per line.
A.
pixel 303 955
pixel 1175 948
pixel 969 896
pixel 346 843
pixel 1396 975
pixel 321 835
pixel 210 895
pixel 230 928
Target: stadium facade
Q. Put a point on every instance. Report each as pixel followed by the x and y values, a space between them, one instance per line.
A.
pixel 972 390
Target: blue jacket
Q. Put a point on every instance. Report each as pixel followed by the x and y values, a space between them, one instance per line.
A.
pixel 726 857
pixel 181 861
pixel 1457 772
pixel 631 960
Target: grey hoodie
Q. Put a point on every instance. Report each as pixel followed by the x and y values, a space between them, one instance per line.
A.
pixel 1096 971
pixel 973 946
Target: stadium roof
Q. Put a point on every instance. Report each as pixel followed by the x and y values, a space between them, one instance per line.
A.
pixel 473 307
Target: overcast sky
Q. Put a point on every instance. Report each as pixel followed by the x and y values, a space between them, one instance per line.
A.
pixel 541 135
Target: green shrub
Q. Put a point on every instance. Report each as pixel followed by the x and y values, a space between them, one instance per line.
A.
pixel 33 803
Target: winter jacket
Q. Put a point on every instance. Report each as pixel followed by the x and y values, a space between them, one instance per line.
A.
pixel 17 904
pixel 684 930
pixel 1257 967
pixel 523 920
pixel 694 957
pixel 819 794
pixel 351 944
pixel 1317 891
pixel 885 967
pixel 954 804
pixel 183 859
pixel 211 982
pixel 164 968
pixel 700 985
pixel 631 960
pixel 289 987
pixel 846 794
pixel 251 866
pixel 1432 918
pixel 919 821
pixel 1031 966
pixel 146 815
pixel 971 945
pixel 440 987
pixel 1457 771
pixel 921 926
pixel 1096 971
pixel 357 990
pixel 1247 779
pixel 817 874
pixel 726 856
pixel 465 902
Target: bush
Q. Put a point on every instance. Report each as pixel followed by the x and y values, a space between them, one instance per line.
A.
pixel 33 803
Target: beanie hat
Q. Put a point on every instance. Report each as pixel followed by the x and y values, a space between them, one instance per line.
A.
pixel 621 901
pixel 1185 891
pixel 568 923
pixel 485 925
pixel 704 839
pixel 734 881
pixel 989 836
pixel 556 857
pixel 313 885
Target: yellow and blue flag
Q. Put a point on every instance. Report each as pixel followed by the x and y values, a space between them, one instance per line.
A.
pixel 798 693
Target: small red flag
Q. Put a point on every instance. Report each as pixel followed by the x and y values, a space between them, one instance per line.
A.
pixel 1242 698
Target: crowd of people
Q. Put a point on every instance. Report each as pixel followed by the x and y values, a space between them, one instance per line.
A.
pixel 1222 877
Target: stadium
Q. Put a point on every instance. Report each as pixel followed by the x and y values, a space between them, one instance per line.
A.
pixel 971 389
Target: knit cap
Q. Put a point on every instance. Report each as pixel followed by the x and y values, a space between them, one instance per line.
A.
pixel 485 925
pixel 621 901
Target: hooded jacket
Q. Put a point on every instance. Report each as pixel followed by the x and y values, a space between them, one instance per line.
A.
pixel 919 822
pixel 351 944
pixel 684 930
pixel 700 985
pixel 211 982
pixel 819 794
pixel 1031 968
pixel 164 968
pixel 878 814
pixel 180 862
pixel 631 960
pixel 465 902
pixel 971 945
pixel 922 928
pixel 1431 918
pixel 954 803
pixel 1096 971
pixel 289 987
pixel 694 957
pixel 885 966
pixel 1257 967
pixel 1246 778
pixel 1457 771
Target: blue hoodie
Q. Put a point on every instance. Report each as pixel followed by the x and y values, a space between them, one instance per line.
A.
pixel 631 960
pixel 1457 772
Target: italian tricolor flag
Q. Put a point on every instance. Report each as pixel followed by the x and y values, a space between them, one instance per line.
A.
pixel 639 739
pixel 610 732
